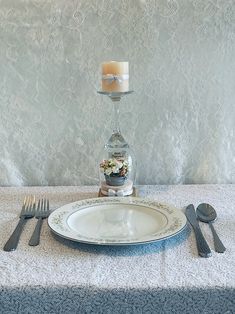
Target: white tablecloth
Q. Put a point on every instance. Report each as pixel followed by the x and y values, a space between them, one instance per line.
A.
pixel 60 276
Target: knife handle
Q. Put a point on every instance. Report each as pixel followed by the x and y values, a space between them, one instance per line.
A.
pixel 12 243
pixel 202 246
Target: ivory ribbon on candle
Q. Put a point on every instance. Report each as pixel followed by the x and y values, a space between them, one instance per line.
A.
pixel 119 78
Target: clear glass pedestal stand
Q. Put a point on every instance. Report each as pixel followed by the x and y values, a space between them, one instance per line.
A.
pixel 117 147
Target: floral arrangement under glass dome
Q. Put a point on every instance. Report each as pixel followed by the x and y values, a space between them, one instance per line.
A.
pixel 115 171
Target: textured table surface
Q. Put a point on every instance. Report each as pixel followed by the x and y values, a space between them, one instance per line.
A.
pixel 57 264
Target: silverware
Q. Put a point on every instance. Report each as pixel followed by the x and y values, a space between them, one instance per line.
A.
pixel 27 212
pixel 207 213
pixel 41 213
pixel 202 246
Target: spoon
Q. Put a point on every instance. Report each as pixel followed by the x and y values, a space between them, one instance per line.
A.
pixel 207 213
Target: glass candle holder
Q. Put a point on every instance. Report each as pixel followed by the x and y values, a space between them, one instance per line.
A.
pixel 117 167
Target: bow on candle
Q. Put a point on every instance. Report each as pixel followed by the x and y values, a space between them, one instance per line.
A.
pixel 115 193
pixel 119 78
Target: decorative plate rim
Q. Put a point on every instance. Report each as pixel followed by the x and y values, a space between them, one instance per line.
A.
pixel 58 218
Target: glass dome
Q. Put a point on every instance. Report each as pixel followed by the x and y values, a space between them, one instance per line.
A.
pixel 117 168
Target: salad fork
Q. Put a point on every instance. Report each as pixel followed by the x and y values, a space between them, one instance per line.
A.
pixel 41 213
pixel 27 212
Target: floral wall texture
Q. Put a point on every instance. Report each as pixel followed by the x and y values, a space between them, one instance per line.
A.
pixel 180 120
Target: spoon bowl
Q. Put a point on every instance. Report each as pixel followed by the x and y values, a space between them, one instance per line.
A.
pixel 206 213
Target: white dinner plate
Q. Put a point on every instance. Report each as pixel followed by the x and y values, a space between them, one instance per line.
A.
pixel 116 221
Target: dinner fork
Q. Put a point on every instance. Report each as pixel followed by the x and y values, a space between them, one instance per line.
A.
pixel 41 213
pixel 27 212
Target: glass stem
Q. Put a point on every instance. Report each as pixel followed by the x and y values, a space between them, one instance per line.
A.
pixel 116 127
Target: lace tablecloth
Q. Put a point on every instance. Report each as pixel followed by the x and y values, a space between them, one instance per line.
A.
pixel 60 276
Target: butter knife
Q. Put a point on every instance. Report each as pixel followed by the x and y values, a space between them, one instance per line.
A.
pixel 202 246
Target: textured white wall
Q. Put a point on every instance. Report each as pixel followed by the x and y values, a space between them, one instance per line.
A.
pixel 180 120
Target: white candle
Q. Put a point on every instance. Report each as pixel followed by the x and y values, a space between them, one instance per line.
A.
pixel 115 76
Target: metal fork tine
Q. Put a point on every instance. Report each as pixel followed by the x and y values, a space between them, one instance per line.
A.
pixel 25 200
pixel 33 206
pixel 38 207
pixel 24 205
pixel 34 203
pixel 47 204
pixel 28 203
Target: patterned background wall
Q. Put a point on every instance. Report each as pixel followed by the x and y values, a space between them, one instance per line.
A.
pixel 180 120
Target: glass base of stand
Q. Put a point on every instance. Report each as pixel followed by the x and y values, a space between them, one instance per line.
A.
pixel 134 193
